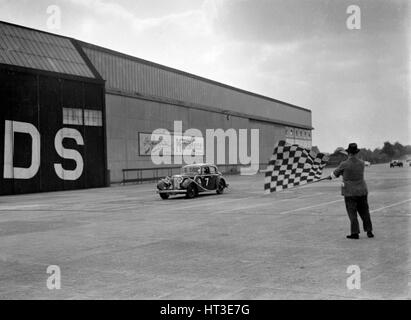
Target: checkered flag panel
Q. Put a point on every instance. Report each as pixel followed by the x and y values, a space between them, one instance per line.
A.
pixel 292 165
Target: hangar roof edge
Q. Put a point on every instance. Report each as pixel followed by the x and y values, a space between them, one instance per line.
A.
pixel 160 66
pixel 43 51
pixel 127 56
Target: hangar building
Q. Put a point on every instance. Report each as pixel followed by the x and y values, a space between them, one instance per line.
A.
pixel 75 115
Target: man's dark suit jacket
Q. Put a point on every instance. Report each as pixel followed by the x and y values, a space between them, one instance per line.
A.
pixel 352 171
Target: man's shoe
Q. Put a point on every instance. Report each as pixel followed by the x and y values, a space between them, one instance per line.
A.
pixel 353 236
pixel 370 234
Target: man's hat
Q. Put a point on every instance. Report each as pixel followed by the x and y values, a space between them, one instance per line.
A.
pixel 352 148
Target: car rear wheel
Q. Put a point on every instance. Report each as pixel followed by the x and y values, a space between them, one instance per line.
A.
pixel 191 191
pixel 220 187
pixel 164 196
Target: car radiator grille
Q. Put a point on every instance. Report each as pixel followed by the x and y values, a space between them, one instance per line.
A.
pixel 176 185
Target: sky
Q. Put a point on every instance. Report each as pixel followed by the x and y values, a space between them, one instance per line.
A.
pixel 356 82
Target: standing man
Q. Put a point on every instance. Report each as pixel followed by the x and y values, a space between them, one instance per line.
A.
pixel 355 192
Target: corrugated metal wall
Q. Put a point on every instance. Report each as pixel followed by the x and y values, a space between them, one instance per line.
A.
pixel 136 77
pixel 128 117
pixel 39 50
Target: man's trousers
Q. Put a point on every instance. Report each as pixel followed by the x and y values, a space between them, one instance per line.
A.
pixel 358 204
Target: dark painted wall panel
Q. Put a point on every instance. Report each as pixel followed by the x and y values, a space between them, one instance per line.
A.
pixel 34 103
pixel 95 151
pixel 50 101
pixel 73 97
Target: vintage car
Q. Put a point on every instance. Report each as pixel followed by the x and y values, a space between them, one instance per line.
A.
pixel 192 180
pixel 396 163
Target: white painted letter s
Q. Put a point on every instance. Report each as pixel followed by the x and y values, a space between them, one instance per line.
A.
pixel 68 133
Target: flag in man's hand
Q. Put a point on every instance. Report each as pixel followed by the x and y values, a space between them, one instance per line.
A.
pixel 292 165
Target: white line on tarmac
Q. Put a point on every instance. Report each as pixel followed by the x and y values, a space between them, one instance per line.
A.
pixel 249 207
pixel 325 203
pixel 209 203
pixel 6 208
pixel 266 204
pixel 309 195
pixel 206 202
pixel 310 207
pixel 391 205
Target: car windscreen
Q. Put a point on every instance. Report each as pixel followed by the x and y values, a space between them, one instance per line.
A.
pixel 190 170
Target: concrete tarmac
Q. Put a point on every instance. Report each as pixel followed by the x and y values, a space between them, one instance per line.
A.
pixel 124 242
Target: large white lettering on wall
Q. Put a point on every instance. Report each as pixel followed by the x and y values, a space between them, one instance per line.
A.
pixel 68 133
pixel 10 171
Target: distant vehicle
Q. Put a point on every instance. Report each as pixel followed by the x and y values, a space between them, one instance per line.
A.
pixel 396 163
pixel 194 178
pixel 367 163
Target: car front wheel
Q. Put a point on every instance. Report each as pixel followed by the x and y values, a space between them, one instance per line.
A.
pixel 164 196
pixel 191 191
pixel 220 187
